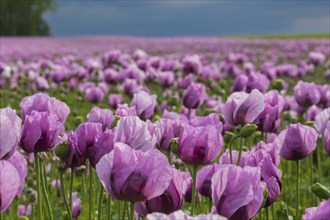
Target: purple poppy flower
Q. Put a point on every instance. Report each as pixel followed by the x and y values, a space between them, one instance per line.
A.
pixel 131 86
pixel 325 94
pixel 40 132
pixel 9 184
pixel 123 110
pixel 257 81
pixel 194 96
pixel 225 157
pixel 269 174
pixel 233 199
pixel 292 104
pixel 56 184
pixel 316 58
pixel 102 116
pixel 204 177
pixel 326 138
pixel 76 205
pixel 145 104
pixel 94 94
pixel 168 202
pixel 111 75
pixel 200 145
pixel 269 118
pixel 312 112
pixel 165 130
pixel 166 79
pixel 187 186
pixel 134 132
pixel 296 142
pixel 111 57
pixel 41 102
pixel 239 83
pixel 133 175
pixel 242 108
pixel 322 211
pixel 87 136
pixel 24 210
pixel 20 163
pixel 102 146
pixel 41 83
pixel 10 132
pixel 73 158
pixel 175 116
pixel 211 119
pixel 271 149
pixel 180 215
pixel 133 72
pixel 183 83
pixel 321 120
pixel 191 64
pixel 139 53
pixel 307 94
pixel 115 100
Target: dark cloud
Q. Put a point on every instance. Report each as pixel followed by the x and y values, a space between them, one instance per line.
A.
pixel 189 18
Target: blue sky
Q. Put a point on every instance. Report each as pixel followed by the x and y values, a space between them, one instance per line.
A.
pixel 157 18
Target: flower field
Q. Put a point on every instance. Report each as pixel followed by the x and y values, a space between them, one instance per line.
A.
pixel 164 128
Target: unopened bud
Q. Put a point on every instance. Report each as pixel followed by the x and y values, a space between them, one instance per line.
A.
pixel 172 101
pixel 228 136
pixel 320 191
pixel 309 123
pixel 114 123
pixel 174 145
pixel 277 84
pixel 247 130
pixel 62 151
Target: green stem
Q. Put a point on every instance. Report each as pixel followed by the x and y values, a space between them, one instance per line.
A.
pixel 230 149
pixel 319 169
pixel 90 193
pixel 267 213
pixel 36 162
pixel 100 203
pixel 193 198
pixel 169 155
pixel 240 151
pixel 273 211
pixel 71 185
pixel 64 196
pixel 44 191
pixel 297 188
pixel 109 208
pixel 210 204
pixel 124 211
pixel 311 175
pixel 131 215
pixel 118 207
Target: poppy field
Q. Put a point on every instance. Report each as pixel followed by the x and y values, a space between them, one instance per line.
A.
pixel 164 128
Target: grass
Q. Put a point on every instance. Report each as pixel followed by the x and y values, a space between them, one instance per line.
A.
pixel 287 36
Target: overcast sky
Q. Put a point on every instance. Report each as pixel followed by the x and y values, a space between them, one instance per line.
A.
pixel 188 18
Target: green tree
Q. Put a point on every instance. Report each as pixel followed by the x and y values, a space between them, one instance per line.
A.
pixel 24 17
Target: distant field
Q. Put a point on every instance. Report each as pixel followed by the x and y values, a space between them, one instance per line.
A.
pixel 288 36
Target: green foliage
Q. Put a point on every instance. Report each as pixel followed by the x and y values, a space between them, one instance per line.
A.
pixel 24 17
